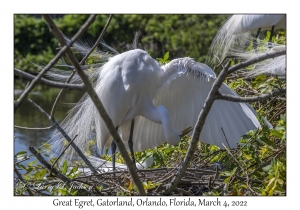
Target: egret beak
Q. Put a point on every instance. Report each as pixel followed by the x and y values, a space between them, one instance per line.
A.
pixel 186 131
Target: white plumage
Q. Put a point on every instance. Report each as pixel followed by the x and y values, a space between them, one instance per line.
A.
pixel 235 35
pixel 164 100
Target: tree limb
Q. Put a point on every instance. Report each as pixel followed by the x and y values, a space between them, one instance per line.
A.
pixel 39 129
pixel 257 59
pixel 57 126
pixel 250 99
pixel 54 60
pixel 81 62
pixel 56 172
pixel 198 128
pixel 50 83
pixel 94 97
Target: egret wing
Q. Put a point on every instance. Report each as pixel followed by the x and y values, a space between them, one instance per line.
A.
pixel 184 98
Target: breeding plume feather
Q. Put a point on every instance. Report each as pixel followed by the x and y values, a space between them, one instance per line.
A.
pixel 237 34
pixel 163 100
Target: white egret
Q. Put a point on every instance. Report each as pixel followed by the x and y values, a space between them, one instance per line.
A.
pixel 235 35
pixel 164 100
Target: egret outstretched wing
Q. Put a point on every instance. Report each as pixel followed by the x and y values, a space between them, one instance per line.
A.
pixel 184 97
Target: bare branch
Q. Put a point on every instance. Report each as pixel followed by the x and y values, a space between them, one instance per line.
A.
pixel 57 126
pixel 56 172
pixel 61 154
pixel 81 62
pixel 50 83
pixel 53 61
pixel 94 97
pixel 199 125
pixel 257 59
pixel 250 99
pixel 21 178
pixel 39 129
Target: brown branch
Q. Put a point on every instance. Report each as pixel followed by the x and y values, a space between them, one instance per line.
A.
pixel 250 99
pixel 62 154
pixel 50 83
pixel 81 62
pixel 39 129
pixel 100 108
pixel 57 126
pixel 257 59
pixel 198 128
pixel 53 61
pixel 21 178
pixel 56 172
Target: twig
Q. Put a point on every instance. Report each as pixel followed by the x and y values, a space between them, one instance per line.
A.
pixel 244 170
pixel 209 183
pixel 50 83
pixel 222 61
pixel 100 108
pixel 40 129
pixel 252 138
pixel 21 178
pixel 184 192
pixel 265 163
pixel 228 151
pixel 196 132
pixel 278 112
pixel 215 176
pixel 54 60
pixel 57 126
pixel 250 99
pixel 56 172
pixel 62 154
pixel 81 62
pixel 257 59
pixel 225 137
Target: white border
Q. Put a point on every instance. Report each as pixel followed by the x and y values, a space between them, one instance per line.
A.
pixel 8 8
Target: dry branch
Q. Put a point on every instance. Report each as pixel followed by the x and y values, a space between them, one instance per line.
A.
pixel 94 97
pixel 57 126
pixel 50 83
pixel 81 62
pixel 262 97
pixel 56 172
pixel 54 60
pixel 199 125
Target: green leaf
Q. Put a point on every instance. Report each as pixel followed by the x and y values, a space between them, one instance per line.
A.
pixel 40 174
pixel 29 170
pixel 73 170
pixel 276 134
pixel 166 56
pixel 64 167
pixel 21 153
pixel 260 78
pixel 268 142
pixel 22 167
pixel 267 168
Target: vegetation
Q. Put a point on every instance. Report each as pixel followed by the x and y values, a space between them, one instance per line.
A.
pixel 256 167
pixel 181 35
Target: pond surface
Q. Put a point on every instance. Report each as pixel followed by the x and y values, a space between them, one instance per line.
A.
pixel 29 116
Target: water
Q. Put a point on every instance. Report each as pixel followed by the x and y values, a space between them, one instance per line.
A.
pixel 29 116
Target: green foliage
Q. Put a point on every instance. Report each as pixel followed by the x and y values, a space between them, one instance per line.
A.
pixel 165 59
pixel 260 156
pixel 182 35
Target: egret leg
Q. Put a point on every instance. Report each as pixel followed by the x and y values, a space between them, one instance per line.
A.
pixel 270 39
pixel 130 142
pixel 113 151
pixel 255 41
